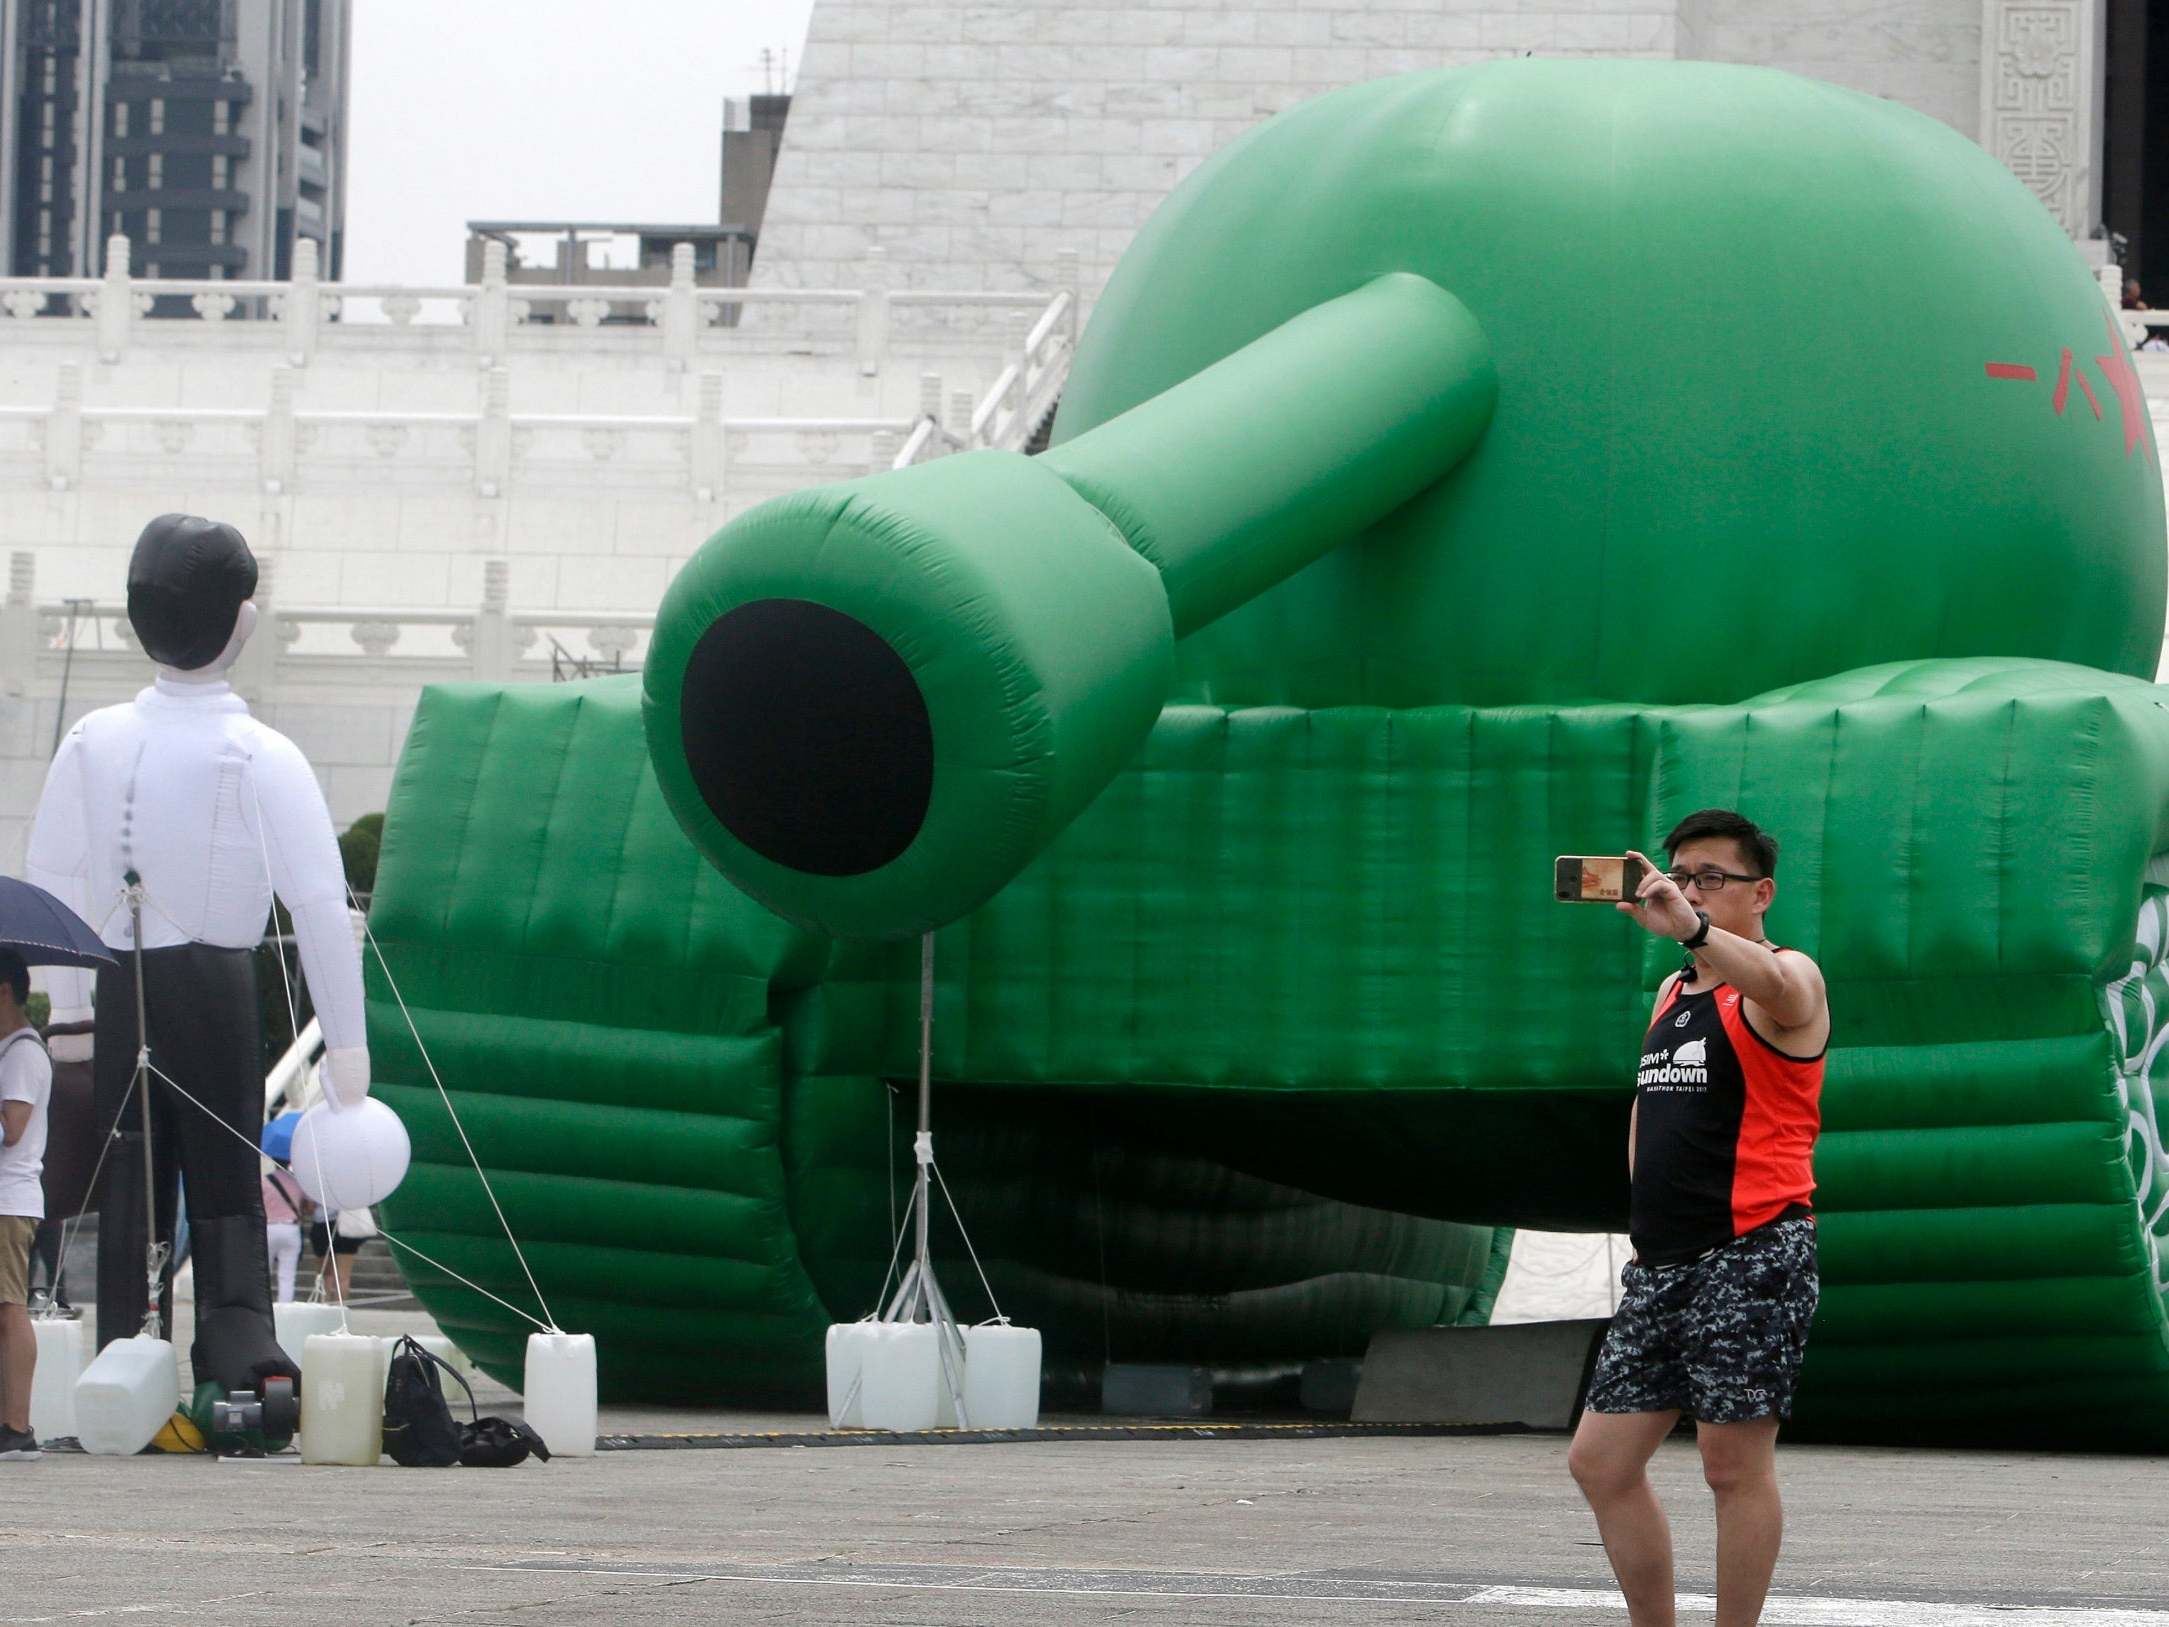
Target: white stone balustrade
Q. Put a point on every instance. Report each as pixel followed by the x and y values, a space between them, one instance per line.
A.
pixel 342 680
pixel 91 642
pixel 282 447
pixel 275 389
pixel 680 321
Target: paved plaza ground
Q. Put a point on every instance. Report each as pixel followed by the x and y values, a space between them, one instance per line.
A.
pixel 1174 1530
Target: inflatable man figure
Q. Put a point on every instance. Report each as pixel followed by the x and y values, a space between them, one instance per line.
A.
pixel 183 794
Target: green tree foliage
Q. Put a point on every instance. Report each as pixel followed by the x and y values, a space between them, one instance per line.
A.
pixel 358 847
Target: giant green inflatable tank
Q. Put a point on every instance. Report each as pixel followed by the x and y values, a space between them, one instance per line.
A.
pixel 1459 470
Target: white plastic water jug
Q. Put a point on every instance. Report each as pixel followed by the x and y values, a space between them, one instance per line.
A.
pixel 126 1395
pixel 52 1387
pixel 902 1386
pixel 1001 1376
pixel 945 1399
pixel 294 1321
pixel 342 1399
pixel 558 1397
pixel 848 1343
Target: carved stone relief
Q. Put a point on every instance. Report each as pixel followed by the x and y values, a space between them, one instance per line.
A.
pixel 2041 100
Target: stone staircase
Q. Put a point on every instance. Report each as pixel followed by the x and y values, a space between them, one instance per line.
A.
pixel 378 1282
pixel 1043 431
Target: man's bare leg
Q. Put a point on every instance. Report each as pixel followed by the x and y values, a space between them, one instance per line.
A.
pixel 1740 1463
pixel 1610 1462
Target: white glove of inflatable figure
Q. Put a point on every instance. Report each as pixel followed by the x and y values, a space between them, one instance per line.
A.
pixel 346 1075
pixel 68 1035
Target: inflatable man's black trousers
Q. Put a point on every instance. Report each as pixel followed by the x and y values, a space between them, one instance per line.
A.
pixel 206 1036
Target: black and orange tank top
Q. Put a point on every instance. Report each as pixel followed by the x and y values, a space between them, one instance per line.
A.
pixel 1725 1127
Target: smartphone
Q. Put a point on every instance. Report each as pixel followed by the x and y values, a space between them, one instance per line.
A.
pixel 1587 879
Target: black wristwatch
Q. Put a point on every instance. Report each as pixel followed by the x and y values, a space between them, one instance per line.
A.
pixel 1702 932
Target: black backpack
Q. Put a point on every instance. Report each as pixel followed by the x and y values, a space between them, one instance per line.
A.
pixel 418 1427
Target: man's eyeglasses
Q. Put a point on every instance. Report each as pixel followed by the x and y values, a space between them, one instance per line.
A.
pixel 1708 881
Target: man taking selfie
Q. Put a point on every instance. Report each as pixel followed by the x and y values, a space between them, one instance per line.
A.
pixel 1715 1304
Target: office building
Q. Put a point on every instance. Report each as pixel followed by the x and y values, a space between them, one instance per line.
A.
pixel 210 133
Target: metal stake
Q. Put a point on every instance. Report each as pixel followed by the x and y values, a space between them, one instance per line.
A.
pixel 919 1297
pixel 155 1248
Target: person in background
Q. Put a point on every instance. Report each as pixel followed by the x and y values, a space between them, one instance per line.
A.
pixel 26 1086
pixel 286 1206
pixel 334 1255
pixel 52 1296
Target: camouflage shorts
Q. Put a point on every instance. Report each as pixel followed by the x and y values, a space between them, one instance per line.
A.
pixel 1719 1338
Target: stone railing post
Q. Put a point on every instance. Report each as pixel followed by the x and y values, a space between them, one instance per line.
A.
pixel 491 646
pixel 960 414
pixel 19 625
pixel 493 434
pixel 64 430
pixel 1069 279
pixel 930 396
pixel 276 455
pixel 1011 417
pixel 304 305
pixel 116 301
pixel 873 335
pixel 708 452
pixel 681 309
pixel 492 307
pixel 255 672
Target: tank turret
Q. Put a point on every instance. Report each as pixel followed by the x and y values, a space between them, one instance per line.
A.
pixel 1475 387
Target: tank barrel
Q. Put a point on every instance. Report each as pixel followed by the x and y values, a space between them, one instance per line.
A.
pixel 1236 479
pixel 872 704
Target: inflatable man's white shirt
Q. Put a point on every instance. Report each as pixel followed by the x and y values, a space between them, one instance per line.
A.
pixel 216 812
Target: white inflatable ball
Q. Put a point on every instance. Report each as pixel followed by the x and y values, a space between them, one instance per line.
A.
pixel 350 1157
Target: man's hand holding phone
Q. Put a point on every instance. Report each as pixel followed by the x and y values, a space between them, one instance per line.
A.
pixel 1659 904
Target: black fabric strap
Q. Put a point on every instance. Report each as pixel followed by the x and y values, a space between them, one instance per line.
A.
pixel 409 1345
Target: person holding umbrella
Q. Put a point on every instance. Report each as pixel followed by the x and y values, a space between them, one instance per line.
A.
pixel 34 926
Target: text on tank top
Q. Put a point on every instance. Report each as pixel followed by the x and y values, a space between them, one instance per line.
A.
pixel 1725 1127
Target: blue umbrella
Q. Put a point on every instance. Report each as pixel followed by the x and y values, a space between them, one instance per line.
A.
pixel 44 931
pixel 278 1138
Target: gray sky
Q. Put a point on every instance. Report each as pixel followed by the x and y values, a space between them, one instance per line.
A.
pixel 543 109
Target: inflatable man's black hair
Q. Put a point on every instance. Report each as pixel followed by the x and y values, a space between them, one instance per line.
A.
pixel 186 583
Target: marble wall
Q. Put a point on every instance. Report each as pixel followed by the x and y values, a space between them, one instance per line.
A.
pixel 976 142
pixel 1925 53
pixel 973 142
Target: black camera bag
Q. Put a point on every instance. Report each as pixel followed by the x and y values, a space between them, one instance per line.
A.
pixel 499 1443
